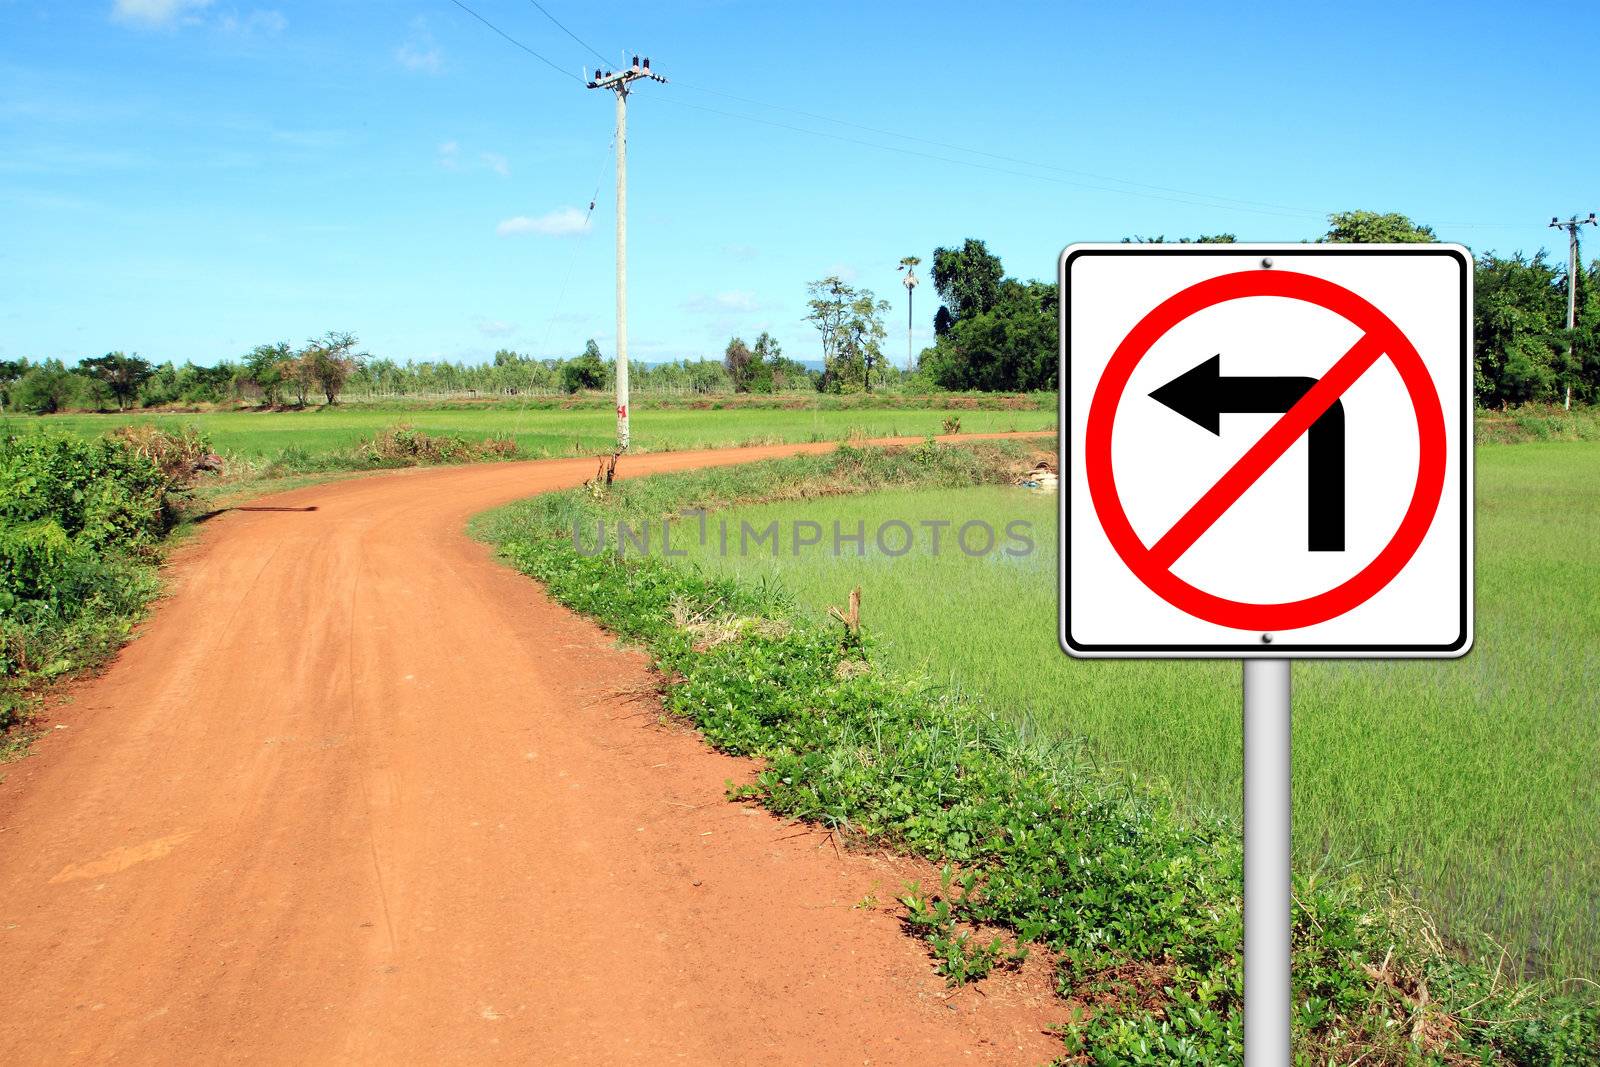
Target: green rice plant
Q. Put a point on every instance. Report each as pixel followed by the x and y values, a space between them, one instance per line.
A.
pixel 1469 782
pixel 1135 896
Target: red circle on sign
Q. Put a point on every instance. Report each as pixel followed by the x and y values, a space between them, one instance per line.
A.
pixel 1431 457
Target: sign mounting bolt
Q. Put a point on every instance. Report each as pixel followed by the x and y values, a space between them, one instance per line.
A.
pixel 1266 639
pixel 1266 263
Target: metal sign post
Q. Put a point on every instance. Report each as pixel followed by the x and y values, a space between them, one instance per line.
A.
pixel 1266 455
pixel 1267 903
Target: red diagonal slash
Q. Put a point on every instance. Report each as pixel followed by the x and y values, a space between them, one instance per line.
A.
pixel 1267 451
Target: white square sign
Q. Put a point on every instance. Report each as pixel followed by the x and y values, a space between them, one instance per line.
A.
pixel 1266 450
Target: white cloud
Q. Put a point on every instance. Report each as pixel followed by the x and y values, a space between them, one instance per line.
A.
pixel 562 222
pixel 424 59
pixel 495 327
pixel 419 53
pixel 156 12
pixel 263 21
pixel 737 300
pixel 450 159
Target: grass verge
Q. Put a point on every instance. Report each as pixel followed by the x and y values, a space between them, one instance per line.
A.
pixel 1139 907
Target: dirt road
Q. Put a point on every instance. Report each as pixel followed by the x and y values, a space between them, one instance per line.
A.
pixel 359 793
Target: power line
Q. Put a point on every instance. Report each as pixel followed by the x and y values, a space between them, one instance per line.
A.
pixel 568 32
pixel 1264 209
pixel 594 197
pixel 1177 196
pixel 519 44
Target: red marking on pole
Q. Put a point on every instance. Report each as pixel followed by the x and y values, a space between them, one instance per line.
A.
pixel 1153 565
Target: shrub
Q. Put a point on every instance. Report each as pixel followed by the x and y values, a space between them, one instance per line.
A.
pixel 79 525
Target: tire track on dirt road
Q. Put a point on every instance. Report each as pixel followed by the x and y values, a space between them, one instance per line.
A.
pixel 359 793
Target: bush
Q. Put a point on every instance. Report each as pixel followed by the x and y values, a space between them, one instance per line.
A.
pixel 50 387
pixel 80 522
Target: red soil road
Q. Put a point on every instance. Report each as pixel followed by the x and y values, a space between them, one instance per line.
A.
pixel 360 793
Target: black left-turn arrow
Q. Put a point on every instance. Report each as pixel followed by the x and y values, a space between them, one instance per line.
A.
pixel 1202 394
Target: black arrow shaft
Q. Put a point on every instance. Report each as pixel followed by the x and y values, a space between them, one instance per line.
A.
pixel 1324 449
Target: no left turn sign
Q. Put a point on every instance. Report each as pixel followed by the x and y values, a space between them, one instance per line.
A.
pixel 1266 450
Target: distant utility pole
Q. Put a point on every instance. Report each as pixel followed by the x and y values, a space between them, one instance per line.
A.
pixel 617 82
pixel 909 265
pixel 1571 226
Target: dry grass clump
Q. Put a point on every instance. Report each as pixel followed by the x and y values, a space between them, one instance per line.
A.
pixel 708 629
pixel 405 445
pixel 178 454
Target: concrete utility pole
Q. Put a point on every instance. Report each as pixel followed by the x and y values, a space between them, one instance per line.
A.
pixel 1571 226
pixel 617 82
pixel 909 265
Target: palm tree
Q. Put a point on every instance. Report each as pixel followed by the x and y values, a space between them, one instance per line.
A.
pixel 909 265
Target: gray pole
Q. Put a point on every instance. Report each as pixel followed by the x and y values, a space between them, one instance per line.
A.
pixel 617 82
pixel 1571 226
pixel 1572 295
pixel 622 266
pixel 910 292
pixel 1267 906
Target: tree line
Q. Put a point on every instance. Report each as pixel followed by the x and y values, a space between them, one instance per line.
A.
pixel 328 367
pixel 994 332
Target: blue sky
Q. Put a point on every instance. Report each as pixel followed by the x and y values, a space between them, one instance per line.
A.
pixel 189 178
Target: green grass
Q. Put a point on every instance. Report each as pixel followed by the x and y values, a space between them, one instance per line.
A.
pixel 1472 779
pixel 543 431
pixel 1137 907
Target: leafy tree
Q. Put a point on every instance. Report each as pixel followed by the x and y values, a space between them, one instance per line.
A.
pixel 737 359
pixel 1517 320
pixel 49 387
pixel 750 369
pixel 767 354
pixel 1010 348
pixel 264 368
pixel 1369 227
pixel 828 297
pixel 587 371
pixel 967 278
pixel 299 373
pixel 850 321
pixel 329 360
pixel 11 371
pixel 121 374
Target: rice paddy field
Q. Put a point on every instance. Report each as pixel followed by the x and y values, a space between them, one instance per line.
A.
pixel 542 430
pixel 1474 781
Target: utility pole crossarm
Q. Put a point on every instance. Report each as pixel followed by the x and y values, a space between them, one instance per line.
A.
pixel 618 81
pixel 613 79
